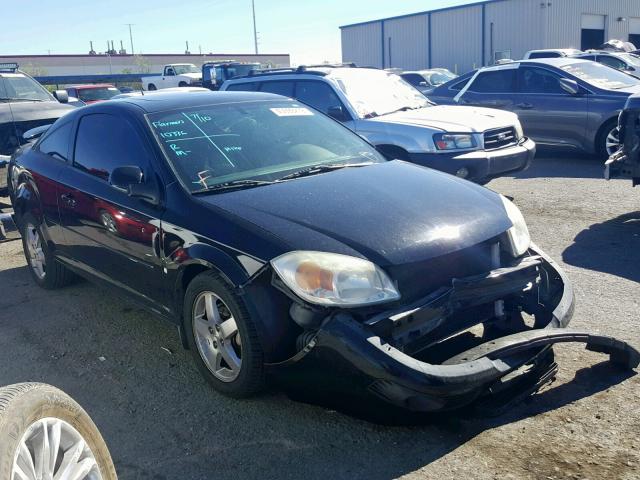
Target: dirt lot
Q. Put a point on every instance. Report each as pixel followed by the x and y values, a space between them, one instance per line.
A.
pixel 161 420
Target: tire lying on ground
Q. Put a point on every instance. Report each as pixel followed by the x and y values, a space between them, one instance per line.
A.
pixel 44 433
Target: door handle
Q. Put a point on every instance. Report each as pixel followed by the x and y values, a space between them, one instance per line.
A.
pixel 524 106
pixel 68 199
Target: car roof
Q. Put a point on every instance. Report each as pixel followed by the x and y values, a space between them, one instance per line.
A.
pixel 159 102
pixel 92 85
pixel 553 62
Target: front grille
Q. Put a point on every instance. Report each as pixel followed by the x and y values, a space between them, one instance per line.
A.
pixel 499 138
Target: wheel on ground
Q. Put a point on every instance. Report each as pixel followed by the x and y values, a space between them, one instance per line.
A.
pixel 152 87
pixel 222 336
pixel 182 84
pixel 45 434
pixel 45 269
pixel 608 141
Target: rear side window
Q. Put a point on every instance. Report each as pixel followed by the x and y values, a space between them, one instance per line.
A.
pixel 317 94
pixel 544 55
pixel 497 81
pixel 243 87
pixel 539 80
pixel 612 62
pixel 56 142
pixel 278 87
pixel 105 142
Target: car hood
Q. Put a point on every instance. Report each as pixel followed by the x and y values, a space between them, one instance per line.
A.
pixel 391 213
pixel 630 90
pixel 452 118
pixel 30 111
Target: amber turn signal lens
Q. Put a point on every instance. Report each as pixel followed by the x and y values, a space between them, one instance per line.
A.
pixel 311 277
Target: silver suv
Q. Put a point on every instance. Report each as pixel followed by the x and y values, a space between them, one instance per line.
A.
pixel 473 143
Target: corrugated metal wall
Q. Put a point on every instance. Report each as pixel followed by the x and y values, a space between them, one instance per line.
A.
pixel 565 16
pixel 456 36
pixel 457 39
pixel 518 26
pixel 363 44
pixel 409 42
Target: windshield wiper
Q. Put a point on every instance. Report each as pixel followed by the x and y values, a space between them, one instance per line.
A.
pixel 233 185
pixel 321 169
pixel 401 109
pixel 7 99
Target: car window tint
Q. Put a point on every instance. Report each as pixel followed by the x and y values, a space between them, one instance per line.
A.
pixel 497 81
pixel 544 55
pixel 56 142
pixel 243 87
pixel 105 142
pixel 280 87
pixel 539 80
pixel 413 78
pixel 611 61
pixel 317 94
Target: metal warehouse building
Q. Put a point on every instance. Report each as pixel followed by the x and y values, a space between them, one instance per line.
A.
pixel 468 36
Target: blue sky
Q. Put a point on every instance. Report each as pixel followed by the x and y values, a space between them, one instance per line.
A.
pixel 308 29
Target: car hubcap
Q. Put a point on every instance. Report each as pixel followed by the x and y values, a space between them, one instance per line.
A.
pixel 35 252
pixel 51 449
pixel 217 336
pixel 613 141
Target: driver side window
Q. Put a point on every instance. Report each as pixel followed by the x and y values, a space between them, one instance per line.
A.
pixel 56 142
pixel 539 80
pixel 170 72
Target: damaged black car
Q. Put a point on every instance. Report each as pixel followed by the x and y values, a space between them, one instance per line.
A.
pixel 285 246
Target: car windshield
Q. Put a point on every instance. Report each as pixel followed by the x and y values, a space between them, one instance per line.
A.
pixel 439 78
pixel 16 86
pixel 375 92
pixel 258 141
pixel 180 69
pixel 95 94
pixel 600 75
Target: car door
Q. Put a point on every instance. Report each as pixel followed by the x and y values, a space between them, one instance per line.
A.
pixel 493 88
pixel 108 233
pixel 547 112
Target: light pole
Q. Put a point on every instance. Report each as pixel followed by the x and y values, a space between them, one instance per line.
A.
pixel 255 32
pixel 130 35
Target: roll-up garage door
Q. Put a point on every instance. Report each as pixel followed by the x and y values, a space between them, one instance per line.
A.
pixel 634 31
pixel 593 27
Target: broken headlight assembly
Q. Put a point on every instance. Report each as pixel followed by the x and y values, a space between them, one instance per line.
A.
pixel 518 239
pixel 331 279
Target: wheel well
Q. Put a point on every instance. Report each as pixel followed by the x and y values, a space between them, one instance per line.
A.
pixel 393 152
pixel 604 126
pixel 182 84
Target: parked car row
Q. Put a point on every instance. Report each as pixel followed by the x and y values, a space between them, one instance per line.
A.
pixel 282 244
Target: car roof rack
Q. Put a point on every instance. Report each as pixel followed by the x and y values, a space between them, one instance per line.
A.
pixel 11 67
pixel 309 69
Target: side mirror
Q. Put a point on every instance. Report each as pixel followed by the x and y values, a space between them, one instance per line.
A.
pixel 570 86
pixel 131 179
pixel 61 95
pixel 423 84
pixel 630 68
pixel 337 113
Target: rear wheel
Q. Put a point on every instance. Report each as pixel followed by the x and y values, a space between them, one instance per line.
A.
pixel 45 269
pixel 222 337
pixel 152 87
pixel 608 141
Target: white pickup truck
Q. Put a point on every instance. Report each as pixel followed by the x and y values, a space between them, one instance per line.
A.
pixel 174 75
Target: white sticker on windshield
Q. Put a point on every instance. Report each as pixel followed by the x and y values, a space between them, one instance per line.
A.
pixel 292 112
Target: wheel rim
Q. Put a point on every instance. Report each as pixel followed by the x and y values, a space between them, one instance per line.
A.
pixel 613 141
pixel 51 449
pixel 217 337
pixel 34 250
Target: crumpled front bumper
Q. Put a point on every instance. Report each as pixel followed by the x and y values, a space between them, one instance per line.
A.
pixel 346 357
pixel 481 165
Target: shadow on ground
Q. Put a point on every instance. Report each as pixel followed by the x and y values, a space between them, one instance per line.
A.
pixel 162 421
pixel 566 164
pixel 610 247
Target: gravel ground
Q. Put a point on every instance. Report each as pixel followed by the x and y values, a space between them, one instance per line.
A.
pixel 162 421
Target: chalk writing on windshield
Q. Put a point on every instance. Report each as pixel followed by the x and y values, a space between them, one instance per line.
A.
pixel 179 151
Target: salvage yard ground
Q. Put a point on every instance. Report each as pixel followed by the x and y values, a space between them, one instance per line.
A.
pixel 161 421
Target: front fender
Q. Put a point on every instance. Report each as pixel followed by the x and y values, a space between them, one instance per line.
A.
pixel 412 139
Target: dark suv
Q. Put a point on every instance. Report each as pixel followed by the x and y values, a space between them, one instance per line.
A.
pixel 564 102
pixel 24 104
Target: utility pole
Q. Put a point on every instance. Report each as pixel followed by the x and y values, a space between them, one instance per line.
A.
pixel 255 32
pixel 130 35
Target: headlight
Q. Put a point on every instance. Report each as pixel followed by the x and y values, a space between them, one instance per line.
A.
pixel 331 279
pixel 519 131
pixel 518 234
pixel 454 141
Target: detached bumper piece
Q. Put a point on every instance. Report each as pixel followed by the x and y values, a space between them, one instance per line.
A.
pixel 625 163
pixel 481 165
pixel 378 358
pixel 8 228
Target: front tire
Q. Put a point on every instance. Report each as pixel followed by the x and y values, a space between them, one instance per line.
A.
pixel 608 141
pixel 44 433
pixel 222 337
pixel 183 84
pixel 46 271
